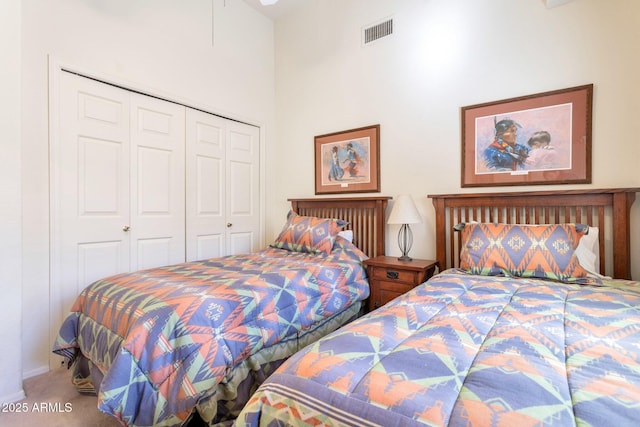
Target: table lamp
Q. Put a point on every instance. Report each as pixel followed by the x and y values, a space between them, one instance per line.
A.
pixel 404 212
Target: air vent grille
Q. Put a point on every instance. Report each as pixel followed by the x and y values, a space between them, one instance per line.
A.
pixel 377 31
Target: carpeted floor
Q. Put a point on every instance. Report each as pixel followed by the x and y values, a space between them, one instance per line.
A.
pixel 53 401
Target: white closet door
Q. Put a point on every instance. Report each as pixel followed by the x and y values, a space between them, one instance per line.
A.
pixel 90 187
pixel 223 186
pixel 243 188
pixel 118 178
pixel 117 192
pixel 157 182
pixel 206 224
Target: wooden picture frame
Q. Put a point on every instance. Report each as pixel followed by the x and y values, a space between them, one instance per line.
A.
pixel 536 139
pixel 348 161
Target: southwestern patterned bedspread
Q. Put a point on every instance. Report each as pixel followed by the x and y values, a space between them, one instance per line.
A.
pixel 164 340
pixel 466 350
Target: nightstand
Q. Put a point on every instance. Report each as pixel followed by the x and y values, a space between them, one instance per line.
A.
pixel 389 277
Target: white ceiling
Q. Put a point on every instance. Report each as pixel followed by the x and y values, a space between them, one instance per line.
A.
pixel 275 11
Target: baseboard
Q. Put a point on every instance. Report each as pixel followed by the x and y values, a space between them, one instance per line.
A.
pixel 34 372
pixel 14 397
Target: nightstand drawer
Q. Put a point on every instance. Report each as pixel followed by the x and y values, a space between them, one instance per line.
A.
pixel 393 274
pixel 394 287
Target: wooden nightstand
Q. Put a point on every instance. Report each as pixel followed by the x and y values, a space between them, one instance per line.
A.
pixel 389 278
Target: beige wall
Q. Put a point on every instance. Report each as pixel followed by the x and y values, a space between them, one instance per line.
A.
pixel 10 203
pixel 445 55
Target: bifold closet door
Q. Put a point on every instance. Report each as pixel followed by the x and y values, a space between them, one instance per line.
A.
pixel 139 182
pixel 117 189
pixel 223 186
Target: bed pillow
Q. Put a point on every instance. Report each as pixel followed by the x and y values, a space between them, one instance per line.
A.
pixel 588 251
pixel 308 234
pixel 346 234
pixel 542 251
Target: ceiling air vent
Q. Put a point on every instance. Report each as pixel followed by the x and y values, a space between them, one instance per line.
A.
pixel 377 31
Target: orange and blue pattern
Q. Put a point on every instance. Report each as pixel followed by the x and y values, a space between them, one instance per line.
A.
pixel 164 337
pixel 308 234
pixel 473 351
pixel 543 251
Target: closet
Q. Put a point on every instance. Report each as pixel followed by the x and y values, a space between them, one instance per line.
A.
pixel 139 182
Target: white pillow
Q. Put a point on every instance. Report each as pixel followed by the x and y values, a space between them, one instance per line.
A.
pixel 346 234
pixel 588 251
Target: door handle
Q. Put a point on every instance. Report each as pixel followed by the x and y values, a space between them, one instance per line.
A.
pixel 126 228
pixel 229 225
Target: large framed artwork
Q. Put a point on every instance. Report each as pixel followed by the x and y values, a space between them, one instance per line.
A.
pixel 536 139
pixel 348 161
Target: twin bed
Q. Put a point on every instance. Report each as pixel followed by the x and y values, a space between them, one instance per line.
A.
pixel 158 345
pixel 515 330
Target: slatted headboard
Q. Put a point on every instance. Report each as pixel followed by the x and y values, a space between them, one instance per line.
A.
pixel 366 216
pixel 607 209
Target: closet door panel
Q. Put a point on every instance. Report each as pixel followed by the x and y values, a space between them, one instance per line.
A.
pixel 243 183
pixel 241 242
pixel 205 198
pixel 154 252
pixel 100 177
pixel 157 182
pixel 89 187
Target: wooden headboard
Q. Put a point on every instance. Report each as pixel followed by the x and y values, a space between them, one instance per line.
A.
pixel 366 216
pixel 606 209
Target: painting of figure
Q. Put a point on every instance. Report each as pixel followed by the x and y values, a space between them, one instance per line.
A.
pixel 348 161
pixel 521 141
pixel 543 138
pixel 345 162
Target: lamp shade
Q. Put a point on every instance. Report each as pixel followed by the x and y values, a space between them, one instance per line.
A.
pixel 404 211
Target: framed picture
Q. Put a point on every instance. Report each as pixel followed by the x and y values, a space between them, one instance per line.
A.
pixel 348 161
pixel 537 139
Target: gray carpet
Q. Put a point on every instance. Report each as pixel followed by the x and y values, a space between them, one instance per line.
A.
pixel 54 402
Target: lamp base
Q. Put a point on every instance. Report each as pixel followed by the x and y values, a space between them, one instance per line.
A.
pixel 405 240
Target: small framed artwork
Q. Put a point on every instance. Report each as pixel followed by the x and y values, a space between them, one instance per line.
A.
pixel 348 161
pixel 536 139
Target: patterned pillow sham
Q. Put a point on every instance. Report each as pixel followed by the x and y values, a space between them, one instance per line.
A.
pixel 541 251
pixel 308 234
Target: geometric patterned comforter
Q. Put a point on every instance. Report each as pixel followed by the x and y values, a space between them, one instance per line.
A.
pixel 465 350
pixel 163 338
